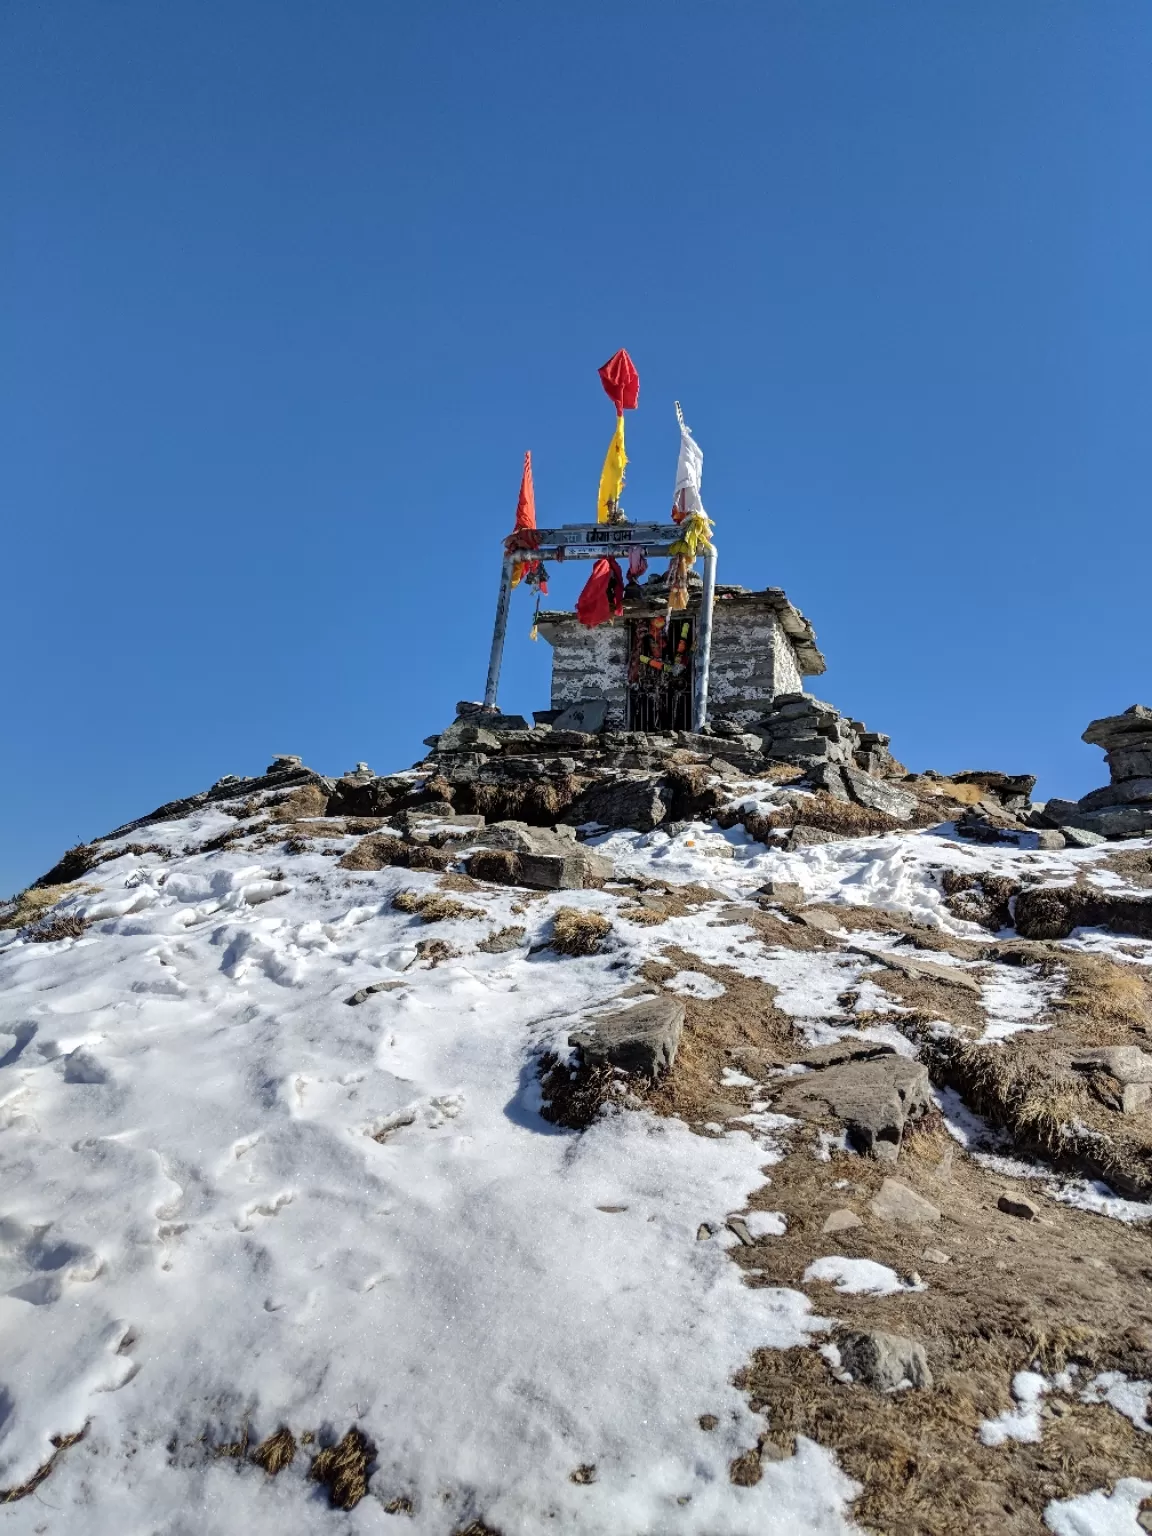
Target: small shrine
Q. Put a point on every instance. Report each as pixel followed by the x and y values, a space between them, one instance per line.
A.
pixel 659 653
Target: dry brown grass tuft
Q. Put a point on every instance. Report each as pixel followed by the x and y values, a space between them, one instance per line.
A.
pixel 842 818
pixel 540 802
pixel 69 925
pixel 74 865
pixel 573 1096
pixel 31 905
pixel 308 800
pixel 343 1469
pixel 433 951
pixel 382 852
pixel 477 1528
pixel 503 940
pixel 277 1452
pixel 576 932
pixel 433 908
pixel 1107 1002
pixel 498 865
pixel 22 1490
pixel 780 773
pixel 980 898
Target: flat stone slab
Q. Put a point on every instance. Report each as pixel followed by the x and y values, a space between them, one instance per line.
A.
pixel 642 1039
pixel 588 715
pixel 896 1202
pixel 875 1098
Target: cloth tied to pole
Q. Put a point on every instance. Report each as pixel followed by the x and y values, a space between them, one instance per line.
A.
pixel 621 381
pixel 603 594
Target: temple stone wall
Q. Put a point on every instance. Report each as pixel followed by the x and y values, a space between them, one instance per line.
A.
pixel 753 660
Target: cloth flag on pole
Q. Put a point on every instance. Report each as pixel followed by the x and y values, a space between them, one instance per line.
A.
pixel 523 535
pixel 612 477
pixel 689 473
pixel 621 381
pixel 622 386
pixel 687 510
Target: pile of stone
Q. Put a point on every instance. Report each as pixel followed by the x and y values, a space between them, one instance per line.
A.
pixel 1122 808
pixel 806 731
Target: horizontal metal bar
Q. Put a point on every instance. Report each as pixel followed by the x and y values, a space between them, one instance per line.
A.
pixel 619 534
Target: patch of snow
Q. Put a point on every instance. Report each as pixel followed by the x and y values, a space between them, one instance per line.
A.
pixel 1131 1398
pixel 765 1223
pixel 1100 1513
pixel 1014 997
pixel 859 1276
pixel 1023 1422
pixel 695 984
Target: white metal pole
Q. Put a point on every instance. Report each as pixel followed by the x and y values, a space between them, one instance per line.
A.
pixel 498 633
pixel 704 642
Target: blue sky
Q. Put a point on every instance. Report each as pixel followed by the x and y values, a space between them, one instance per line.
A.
pixel 288 289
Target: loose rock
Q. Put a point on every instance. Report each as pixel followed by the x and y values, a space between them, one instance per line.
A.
pixel 898 1203
pixel 885 1361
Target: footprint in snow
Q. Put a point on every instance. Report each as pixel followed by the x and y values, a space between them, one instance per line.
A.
pixel 35 1266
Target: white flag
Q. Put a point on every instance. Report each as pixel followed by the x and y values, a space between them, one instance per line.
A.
pixel 689 473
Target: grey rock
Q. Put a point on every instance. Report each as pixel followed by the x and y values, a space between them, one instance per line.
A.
pixel 878 796
pixel 1056 811
pixel 519 837
pixel 1126 792
pixel 884 1361
pixel 1115 730
pixel 936 1256
pixel 1050 840
pixel 575 871
pixel 462 736
pixel 896 1202
pixel 808 837
pixel 787 892
pixel 1080 837
pixel 503 942
pixel 842 1220
pixel 1115 821
pixel 642 803
pixel 588 716
pixel 1134 762
pixel 874 1097
pixel 830 779
pixel 1126 1063
pixel 642 1039
pixel 377 986
pixel 1016 1205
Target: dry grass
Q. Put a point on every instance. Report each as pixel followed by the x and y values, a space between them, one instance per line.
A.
pixel 780 773
pixel 980 898
pixel 431 907
pixel 503 940
pixel 842 818
pixel 498 865
pixel 1132 864
pixel 74 865
pixel 70 925
pixel 31 905
pixel 308 800
pixel 343 1469
pixel 1107 1002
pixel 277 1452
pixel 383 852
pixel 22 1490
pixel 576 932
pixel 574 1096
pixel 434 951
pixel 539 802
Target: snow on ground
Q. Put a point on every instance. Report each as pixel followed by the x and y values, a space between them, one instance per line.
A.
pixel 1100 1513
pixel 859 1276
pixel 230 1199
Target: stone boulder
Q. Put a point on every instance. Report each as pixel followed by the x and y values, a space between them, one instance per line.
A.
pixel 886 1362
pixel 641 801
pixel 871 1089
pixel 641 1039
pixel 1121 1076
pixel 1052 912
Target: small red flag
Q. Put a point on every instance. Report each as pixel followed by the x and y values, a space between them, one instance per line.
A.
pixel 526 506
pixel 621 382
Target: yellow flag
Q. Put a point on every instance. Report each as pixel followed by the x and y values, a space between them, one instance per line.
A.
pixel 612 475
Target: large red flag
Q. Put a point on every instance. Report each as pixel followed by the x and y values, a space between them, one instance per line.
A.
pixel 621 382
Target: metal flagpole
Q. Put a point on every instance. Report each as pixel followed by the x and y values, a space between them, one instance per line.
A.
pixel 704 642
pixel 498 633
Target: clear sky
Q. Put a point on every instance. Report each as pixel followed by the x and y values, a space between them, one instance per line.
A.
pixel 287 288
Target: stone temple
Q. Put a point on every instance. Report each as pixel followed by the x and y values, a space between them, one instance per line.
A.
pixel 641 664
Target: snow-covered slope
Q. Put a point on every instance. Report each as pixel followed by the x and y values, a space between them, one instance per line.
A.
pixel 232 1201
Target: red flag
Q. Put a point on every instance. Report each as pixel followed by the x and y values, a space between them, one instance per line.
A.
pixel 621 382
pixel 603 594
pixel 526 506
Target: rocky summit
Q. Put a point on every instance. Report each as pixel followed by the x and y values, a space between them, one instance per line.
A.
pixel 587 1130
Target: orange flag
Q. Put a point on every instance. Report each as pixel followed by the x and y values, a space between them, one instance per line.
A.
pixel 526 506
